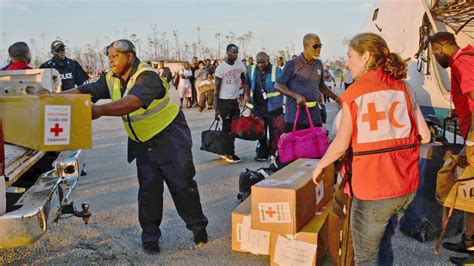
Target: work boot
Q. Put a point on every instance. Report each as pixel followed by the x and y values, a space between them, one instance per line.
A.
pixel 466 245
pixel 151 247
pixel 462 260
pixel 200 236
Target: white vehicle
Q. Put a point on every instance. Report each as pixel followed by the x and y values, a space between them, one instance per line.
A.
pixel 35 187
pixel 405 25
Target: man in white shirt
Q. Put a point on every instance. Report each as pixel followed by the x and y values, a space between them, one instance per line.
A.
pixel 229 74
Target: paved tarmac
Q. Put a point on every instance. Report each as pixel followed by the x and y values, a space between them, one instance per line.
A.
pixel 113 233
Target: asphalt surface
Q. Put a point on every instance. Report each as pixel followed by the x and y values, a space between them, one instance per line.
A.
pixel 113 233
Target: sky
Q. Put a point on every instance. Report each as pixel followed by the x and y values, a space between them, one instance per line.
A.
pixel 275 24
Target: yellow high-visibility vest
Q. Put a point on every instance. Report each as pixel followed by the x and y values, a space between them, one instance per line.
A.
pixel 142 124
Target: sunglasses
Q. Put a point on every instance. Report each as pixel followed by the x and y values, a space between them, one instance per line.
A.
pixel 121 46
pixel 317 46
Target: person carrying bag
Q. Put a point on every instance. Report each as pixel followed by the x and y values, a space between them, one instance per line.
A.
pixel 307 143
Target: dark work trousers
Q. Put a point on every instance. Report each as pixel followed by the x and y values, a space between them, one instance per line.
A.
pixel 168 157
pixel 193 91
pixel 273 130
pixel 227 109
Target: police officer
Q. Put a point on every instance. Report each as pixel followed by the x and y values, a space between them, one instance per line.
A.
pixel 70 70
pixel 266 102
pixel 158 138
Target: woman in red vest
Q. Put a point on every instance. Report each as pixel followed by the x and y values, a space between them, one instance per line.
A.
pixel 382 123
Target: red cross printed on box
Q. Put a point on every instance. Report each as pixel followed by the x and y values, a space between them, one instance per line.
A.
pixel 270 212
pixel 372 116
pixel 56 129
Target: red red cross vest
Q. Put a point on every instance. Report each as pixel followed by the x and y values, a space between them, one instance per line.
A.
pixel 384 139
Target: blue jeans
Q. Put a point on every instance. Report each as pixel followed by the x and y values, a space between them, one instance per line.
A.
pixel 373 224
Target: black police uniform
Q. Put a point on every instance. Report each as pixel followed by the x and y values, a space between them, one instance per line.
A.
pixel 70 71
pixel 167 156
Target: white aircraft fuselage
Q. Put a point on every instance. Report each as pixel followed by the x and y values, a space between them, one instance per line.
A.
pixel 398 22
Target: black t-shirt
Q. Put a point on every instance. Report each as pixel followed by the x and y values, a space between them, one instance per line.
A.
pixel 71 72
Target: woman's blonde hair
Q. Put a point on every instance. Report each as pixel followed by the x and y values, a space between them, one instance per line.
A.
pixel 380 55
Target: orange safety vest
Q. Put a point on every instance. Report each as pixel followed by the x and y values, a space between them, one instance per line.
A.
pixel 384 139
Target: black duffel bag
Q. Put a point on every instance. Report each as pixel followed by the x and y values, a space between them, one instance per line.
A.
pixel 217 141
pixel 249 178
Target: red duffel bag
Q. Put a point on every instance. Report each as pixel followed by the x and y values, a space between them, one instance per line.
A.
pixel 248 127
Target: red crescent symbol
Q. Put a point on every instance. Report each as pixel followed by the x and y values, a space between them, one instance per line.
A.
pixel 392 118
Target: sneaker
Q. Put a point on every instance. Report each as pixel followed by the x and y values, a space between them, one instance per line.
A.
pixel 260 159
pixel 200 237
pixel 223 157
pixel 466 245
pixel 151 247
pixel 462 260
pixel 232 158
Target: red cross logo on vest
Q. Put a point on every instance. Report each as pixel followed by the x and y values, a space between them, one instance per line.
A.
pixel 270 212
pixel 373 117
pixel 56 130
pixel 382 116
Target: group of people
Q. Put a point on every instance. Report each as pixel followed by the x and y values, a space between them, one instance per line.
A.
pixel 70 71
pixel 381 124
pixel 265 84
pixel 194 82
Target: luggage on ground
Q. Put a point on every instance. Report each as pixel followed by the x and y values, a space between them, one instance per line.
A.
pixel 249 178
pixel 423 218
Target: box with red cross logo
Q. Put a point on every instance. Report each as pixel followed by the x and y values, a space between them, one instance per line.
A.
pixel 288 199
pixel 47 122
pixel 244 238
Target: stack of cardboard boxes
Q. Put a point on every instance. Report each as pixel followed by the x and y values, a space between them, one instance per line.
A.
pixel 285 216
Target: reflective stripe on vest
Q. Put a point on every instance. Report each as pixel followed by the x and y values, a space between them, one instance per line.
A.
pixel 148 112
pixel 142 124
pixel 273 94
pixel 273 79
pixel 249 105
pixel 252 71
pixel 274 73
